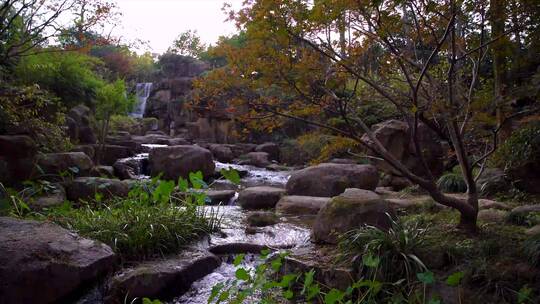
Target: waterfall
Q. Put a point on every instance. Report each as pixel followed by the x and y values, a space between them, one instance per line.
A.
pixel 142 92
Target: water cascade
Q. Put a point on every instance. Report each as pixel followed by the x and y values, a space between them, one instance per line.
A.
pixel 143 92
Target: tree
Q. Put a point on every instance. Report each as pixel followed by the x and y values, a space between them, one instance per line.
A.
pixel 91 19
pixel 188 43
pixel 111 99
pixel 26 25
pixel 426 59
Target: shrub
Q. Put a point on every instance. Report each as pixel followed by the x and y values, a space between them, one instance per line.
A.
pixel 521 148
pixel 123 123
pixel 69 75
pixel 531 249
pixel 316 148
pixel 394 249
pixel 30 110
pixel 452 182
pixel 135 230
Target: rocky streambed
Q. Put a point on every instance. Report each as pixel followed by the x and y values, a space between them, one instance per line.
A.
pixel 190 276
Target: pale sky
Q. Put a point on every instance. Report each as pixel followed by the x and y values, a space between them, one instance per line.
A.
pixel 160 21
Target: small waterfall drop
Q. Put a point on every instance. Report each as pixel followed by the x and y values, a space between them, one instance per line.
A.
pixel 142 92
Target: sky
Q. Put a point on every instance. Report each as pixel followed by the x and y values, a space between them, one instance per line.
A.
pixel 160 21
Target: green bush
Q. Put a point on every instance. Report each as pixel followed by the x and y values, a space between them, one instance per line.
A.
pixel 123 123
pixel 316 148
pixel 69 75
pixel 135 230
pixel 395 249
pixel 33 111
pixel 520 149
pixel 531 249
pixel 452 182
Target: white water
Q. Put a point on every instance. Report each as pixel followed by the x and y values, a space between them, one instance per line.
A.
pixel 143 92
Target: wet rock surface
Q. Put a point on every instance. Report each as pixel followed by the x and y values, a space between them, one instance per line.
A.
pixel 301 205
pixel 42 254
pixel 260 197
pixel 161 278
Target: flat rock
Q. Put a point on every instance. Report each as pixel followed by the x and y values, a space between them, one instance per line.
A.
pixel 260 197
pixel 492 216
pixel 301 205
pixel 222 197
pixel 262 219
pixel 489 204
pixel 43 263
pixel 161 279
pixel 53 198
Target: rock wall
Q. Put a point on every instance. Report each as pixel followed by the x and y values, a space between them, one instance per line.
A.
pixel 168 99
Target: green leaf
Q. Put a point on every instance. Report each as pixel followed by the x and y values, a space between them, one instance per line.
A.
pixel 276 264
pixel 333 296
pixel 231 175
pixel 308 280
pixel 524 294
pixel 265 253
pixel 287 279
pixel 183 184
pixel 371 261
pixel 216 289
pixel 238 259
pixel 197 180
pixel 455 278
pixel 288 294
pixel 313 291
pixel 242 274
pixel 426 277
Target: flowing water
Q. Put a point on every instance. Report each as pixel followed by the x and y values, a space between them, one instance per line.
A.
pixel 289 233
pixel 142 91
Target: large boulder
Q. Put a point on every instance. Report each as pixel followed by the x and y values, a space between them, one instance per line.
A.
pixel 176 161
pixel 352 209
pixel 257 159
pixel 242 148
pixel 17 146
pixel 44 263
pixel 329 180
pixel 111 153
pixel 77 163
pixel 78 125
pixel 161 279
pixel 260 197
pixel 493 181
pixel 130 168
pixel 222 153
pixel 17 153
pixel 84 188
pixel 301 205
pixel 396 137
pixel 526 177
pixel 271 148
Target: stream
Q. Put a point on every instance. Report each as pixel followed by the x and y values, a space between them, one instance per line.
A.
pixel 289 233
